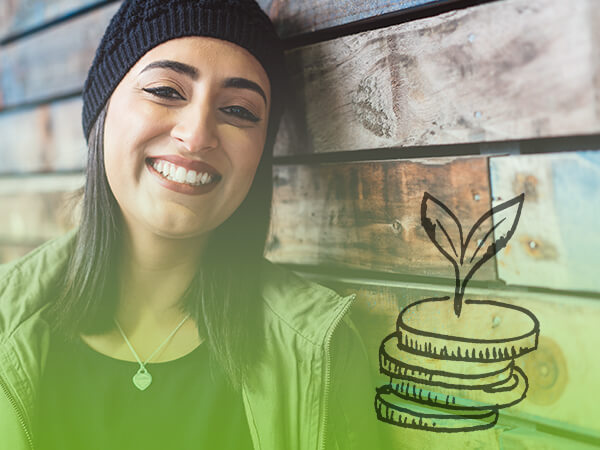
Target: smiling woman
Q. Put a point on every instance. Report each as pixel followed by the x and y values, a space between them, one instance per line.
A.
pixel 158 323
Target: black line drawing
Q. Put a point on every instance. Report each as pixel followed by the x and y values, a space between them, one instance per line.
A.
pixel 454 375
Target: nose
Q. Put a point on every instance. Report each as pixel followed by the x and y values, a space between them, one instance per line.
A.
pixel 196 129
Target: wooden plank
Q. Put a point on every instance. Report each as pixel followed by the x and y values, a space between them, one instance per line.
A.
pixel 364 215
pixel 561 372
pixel 51 63
pixel 19 16
pixel 524 439
pixel 11 252
pixel 38 208
pixel 411 439
pixel 290 18
pixel 432 82
pixel 43 138
pixel 486 73
pixel 556 244
pixel 294 18
pixel 368 215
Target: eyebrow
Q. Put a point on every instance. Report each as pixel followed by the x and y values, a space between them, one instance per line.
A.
pixel 178 67
pixel 244 83
pixel 192 72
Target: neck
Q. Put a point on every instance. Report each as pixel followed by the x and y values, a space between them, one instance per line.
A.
pixel 155 272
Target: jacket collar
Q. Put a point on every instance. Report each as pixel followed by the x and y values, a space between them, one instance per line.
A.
pixel 24 336
pixel 308 308
pixel 26 284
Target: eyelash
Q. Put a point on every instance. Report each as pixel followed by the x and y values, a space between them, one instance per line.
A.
pixel 169 93
pixel 241 112
pixel 165 92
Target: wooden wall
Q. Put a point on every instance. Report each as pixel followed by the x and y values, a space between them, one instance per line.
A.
pixel 473 102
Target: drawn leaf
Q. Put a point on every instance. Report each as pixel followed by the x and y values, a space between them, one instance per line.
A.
pixel 442 227
pixel 491 233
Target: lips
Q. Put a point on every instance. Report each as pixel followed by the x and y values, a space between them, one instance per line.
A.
pixel 210 179
pixel 188 164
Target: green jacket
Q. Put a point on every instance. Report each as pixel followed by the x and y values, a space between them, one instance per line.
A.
pixel 312 391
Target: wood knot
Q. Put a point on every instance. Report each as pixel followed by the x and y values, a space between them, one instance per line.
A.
pixel 538 248
pixel 527 184
pixel 396 227
pixel 546 369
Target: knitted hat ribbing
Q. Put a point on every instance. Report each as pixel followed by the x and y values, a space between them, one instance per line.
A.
pixel 140 25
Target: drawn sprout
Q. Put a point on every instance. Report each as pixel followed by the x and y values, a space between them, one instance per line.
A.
pixel 469 254
pixel 451 375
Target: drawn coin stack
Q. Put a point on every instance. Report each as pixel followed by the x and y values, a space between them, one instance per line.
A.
pixel 451 362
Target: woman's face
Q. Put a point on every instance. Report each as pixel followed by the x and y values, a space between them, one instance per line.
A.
pixel 184 133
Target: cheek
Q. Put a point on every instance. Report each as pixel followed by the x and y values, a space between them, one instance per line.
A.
pixel 128 129
pixel 247 157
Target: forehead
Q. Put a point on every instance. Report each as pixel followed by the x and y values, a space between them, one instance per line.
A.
pixel 219 57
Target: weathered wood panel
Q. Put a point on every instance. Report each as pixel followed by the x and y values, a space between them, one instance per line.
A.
pixel 459 77
pixel 35 209
pixel 526 439
pixel 486 73
pixel 411 439
pixel 300 17
pixel 44 138
pixel 290 18
pixel 10 252
pixel 52 62
pixel 19 16
pixel 557 241
pixel 368 215
pixel 561 372
pixel 364 215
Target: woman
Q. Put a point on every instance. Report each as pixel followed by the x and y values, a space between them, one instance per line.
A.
pixel 158 323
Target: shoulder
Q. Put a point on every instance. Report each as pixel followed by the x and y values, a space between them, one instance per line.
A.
pixel 24 282
pixel 304 305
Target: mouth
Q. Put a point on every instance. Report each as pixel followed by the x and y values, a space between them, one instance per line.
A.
pixel 184 176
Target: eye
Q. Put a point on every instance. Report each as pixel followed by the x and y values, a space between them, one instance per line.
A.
pixel 165 92
pixel 240 112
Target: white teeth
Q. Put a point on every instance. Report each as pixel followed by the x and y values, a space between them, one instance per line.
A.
pixel 190 178
pixel 180 174
pixel 172 171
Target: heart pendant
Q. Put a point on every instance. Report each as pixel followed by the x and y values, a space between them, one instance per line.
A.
pixel 142 379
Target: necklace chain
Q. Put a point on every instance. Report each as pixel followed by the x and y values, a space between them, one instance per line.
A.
pixel 142 378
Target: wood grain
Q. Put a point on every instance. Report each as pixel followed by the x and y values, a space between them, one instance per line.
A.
pixel 528 439
pixel 51 63
pixel 19 16
pixel 46 138
pixel 11 252
pixel 300 17
pixel 363 215
pixel 455 78
pixel 486 73
pixel 561 371
pixel 290 18
pixel 37 208
pixel 556 243
pixel 368 215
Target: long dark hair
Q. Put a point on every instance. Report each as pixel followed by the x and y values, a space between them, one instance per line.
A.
pixel 224 296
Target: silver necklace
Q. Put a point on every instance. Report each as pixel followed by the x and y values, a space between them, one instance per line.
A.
pixel 142 378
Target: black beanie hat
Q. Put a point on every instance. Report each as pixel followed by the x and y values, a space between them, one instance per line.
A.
pixel 140 25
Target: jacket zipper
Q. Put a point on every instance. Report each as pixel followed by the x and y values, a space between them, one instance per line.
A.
pixel 20 414
pixel 328 374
